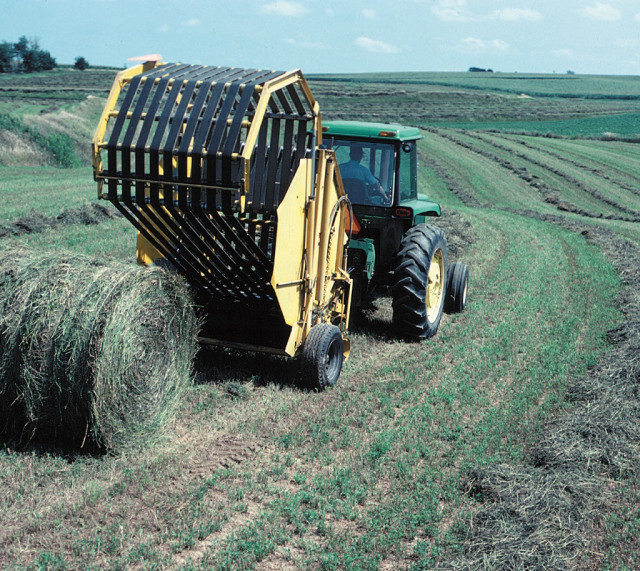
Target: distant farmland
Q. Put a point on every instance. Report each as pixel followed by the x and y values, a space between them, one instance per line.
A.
pixel 511 439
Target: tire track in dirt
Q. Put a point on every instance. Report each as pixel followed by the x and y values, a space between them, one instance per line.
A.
pixel 134 502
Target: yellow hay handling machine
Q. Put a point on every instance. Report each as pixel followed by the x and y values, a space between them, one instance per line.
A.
pixel 221 172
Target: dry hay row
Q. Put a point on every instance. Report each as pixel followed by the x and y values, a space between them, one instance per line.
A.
pixel 545 513
pixel 93 353
pixel 608 138
pixel 594 170
pixel 548 194
pixel 34 222
pixel 570 179
pixel 451 182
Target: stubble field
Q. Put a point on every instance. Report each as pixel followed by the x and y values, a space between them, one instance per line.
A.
pixel 510 439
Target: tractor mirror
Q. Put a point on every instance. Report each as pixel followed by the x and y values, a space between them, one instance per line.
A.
pixel 406 147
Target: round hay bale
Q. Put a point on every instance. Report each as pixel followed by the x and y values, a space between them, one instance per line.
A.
pixel 92 353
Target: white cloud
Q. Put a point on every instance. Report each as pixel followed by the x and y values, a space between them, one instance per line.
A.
pixel 191 23
pixel 479 44
pixel 601 12
pixel 474 42
pixel 451 11
pixel 285 8
pixel 638 16
pixel 564 53
pixel 375 46
pixel 369 14
pixel 305 44
pixel 514 14
pixel 163 29
pixel 500 45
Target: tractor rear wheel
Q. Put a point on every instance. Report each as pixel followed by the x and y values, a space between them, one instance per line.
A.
pixel 322 356
pixel 457 282
pixel 419 282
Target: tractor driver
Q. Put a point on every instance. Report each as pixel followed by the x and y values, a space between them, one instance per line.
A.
pixel 352 169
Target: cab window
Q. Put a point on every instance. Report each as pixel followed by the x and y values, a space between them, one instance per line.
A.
pixel 367 169
pixel 408 171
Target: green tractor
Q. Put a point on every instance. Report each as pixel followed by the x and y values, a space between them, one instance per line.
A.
pixel 391 245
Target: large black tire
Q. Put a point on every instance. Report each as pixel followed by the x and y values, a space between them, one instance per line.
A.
pixel 322 356
pixel 457 283
pixel 417 306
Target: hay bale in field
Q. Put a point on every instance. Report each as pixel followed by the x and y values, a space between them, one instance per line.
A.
pixel 92 353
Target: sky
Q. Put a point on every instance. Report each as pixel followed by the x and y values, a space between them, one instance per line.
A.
pixel 339 36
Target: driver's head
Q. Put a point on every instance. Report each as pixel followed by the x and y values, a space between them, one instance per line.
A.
pixel 355 154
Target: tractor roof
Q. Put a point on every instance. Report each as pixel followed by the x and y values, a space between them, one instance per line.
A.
pixel 371 130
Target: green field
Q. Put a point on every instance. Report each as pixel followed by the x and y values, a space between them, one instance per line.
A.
pixel 612 126
pixel 519 415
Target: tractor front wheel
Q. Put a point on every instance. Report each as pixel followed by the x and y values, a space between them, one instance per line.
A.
pixel 322 356
pixel 419 282
pixel 457 281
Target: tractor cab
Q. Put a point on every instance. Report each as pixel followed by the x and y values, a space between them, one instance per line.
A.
pixel 378 164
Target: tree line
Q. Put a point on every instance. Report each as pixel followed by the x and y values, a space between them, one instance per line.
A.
pixel 26 55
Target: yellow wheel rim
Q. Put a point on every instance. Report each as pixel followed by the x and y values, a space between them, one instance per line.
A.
pixel 435 286
pixel 464 295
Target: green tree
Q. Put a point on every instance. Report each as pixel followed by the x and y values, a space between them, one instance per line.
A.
pixel 6 56
pixel 81 63
pixel 31 57
pixel 22 46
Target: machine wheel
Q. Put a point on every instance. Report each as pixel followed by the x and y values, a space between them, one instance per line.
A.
pixel 322 356
pixel 457 282
pixel 419 282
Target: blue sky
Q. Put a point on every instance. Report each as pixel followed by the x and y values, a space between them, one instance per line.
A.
pixel 340 36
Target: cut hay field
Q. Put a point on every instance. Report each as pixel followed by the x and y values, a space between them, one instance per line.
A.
pixel 509 440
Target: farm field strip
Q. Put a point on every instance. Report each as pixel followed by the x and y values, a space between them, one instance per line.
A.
pixel 482 176
pixel 544 85
pixel 359 475
pixel 421 455
pixel 454 186
pixel 545 183
pixel 623 159
pixel 612 193
pixel 597 168
pixel 550 194
pixel 534 188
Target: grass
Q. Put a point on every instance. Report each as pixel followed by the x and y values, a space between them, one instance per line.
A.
pixel 620 125
pixel 318 472
pixel 376 472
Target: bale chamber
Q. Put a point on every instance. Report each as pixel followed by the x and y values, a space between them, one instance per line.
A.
pixel 222 173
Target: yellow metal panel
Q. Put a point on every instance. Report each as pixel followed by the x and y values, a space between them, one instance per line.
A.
pixel 146 254
pixel 288 265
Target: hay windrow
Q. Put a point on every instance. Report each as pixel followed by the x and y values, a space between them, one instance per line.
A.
pixel 35 222
pixel 543 513
pixel 92 353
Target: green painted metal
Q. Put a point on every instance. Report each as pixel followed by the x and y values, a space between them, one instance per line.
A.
pixel 364 130
pixel 422 207
pixel 368 247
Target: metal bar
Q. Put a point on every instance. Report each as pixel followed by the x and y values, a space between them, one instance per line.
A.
pixel 218 132
pixel 287 160
pixel 272 170
pixel 258 183
pixel 243 346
